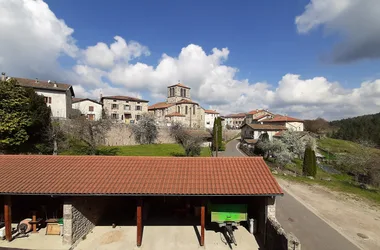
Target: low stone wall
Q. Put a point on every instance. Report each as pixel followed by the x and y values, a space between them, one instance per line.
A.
pixel 277 239
pixel 80 215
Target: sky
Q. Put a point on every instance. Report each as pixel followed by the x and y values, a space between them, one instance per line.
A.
pixel 303 58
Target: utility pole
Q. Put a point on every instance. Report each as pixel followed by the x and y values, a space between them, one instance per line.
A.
pixel 190 117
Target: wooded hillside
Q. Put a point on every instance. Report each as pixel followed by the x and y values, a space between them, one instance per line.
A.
pixel 361 128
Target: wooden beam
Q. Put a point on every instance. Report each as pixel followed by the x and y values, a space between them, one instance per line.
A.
pixel 8 217
pixel 139 222
pixel 203 216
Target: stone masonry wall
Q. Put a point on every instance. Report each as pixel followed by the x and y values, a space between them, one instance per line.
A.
pixel 275 237
pixel 80 217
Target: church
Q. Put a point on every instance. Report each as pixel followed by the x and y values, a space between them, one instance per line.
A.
pixel 179 108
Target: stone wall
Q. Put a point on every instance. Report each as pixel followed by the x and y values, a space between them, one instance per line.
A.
pixel 277 239
pixel 80 215
pixel 121 134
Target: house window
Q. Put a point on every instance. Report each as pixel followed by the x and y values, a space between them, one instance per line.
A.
pixel 47 99
pixel 171 91
pixel 114 116
pixel 184 92
pixel 115 106
pixel 193 109
pixel 179 109
pixel 138 107
pixel 91 117
pixel 91 108
pixel 186 110
pixel 208 123
pixel 138 117
pixel 138 102
pixel 126 107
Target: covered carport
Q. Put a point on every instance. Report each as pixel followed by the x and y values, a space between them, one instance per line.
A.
pixel 139 191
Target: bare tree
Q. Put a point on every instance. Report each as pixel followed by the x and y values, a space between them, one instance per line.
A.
pixel 92 133
pixel 146 130
pixel 190 143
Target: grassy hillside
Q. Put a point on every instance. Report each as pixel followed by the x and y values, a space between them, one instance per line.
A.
pixel 337 146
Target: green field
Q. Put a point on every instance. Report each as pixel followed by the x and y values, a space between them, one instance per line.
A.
pixel 144 150
pixel 336 146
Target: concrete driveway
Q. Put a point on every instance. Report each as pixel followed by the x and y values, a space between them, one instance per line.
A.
pixel 162 237
pixel 312 231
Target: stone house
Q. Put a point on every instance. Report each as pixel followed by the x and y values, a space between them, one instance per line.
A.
pixel 257 115
pixel 234 121
pixel 287 121
pixel 58 96
pixel 124 109
pixel 255 131
pixel 210 116
pixel 101 190
pixel 91 109
pixel 179 108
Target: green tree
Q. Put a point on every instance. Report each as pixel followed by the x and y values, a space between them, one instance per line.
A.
pixel 14 115
pixel 217 135
pixel 309 163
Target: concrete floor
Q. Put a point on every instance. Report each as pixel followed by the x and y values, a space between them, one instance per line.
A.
pixel 38 240
pixel 161 237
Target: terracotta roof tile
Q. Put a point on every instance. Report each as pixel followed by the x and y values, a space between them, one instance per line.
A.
pixel 186 102
pixel 179 85
pixel 124 98
pixel 84 99
pixel 209 111
pixel 281 118
pixel 265 126
pixel 25 82
pixel 160 105
pixel 120 175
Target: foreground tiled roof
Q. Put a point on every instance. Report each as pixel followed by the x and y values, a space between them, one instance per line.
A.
pixel 160 105
pixel 121 175
pixel 33 83
pixel 175 114
pixel 124 98
pixel 179 85
pixel 265 127
pixel 209 111
pixel 281 118
pixel 75 100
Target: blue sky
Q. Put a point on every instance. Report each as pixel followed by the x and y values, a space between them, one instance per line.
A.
pixel 300 57
pixel 261 35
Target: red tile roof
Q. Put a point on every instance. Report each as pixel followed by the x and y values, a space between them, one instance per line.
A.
pixel 175 114
pixel 184 101
pixel 281 118
pixel 209 111
pixel 265 127
pixel 160 105
pixel 121 175
pixel 84 99
pixel 33 83
pixel 124 98
pixel 254 112
pixel 179 85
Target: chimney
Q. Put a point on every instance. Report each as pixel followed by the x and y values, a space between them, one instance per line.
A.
pixel 3 76
pixel 101 96
pixel 36 80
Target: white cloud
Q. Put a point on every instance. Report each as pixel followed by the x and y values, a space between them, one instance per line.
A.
pixel 120 51
pixel 355 21
pixel 32 38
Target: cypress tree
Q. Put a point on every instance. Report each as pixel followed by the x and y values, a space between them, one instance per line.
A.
pixel 220 134
pixel 313 170
pixel 306 161
pixel 213 146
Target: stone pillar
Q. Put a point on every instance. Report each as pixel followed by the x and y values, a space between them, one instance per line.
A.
pixel 67 223
pixel 271 207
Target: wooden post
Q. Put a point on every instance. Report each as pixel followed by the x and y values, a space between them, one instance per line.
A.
pixel 34 219
pixel 8 217
pixel 139 222
pixel 203 216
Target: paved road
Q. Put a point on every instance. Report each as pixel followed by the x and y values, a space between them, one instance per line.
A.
pixel 313 232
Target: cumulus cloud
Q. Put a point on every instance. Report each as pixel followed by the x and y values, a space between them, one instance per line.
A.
pixel 32 38
pixel 355 21
pixel 120 51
